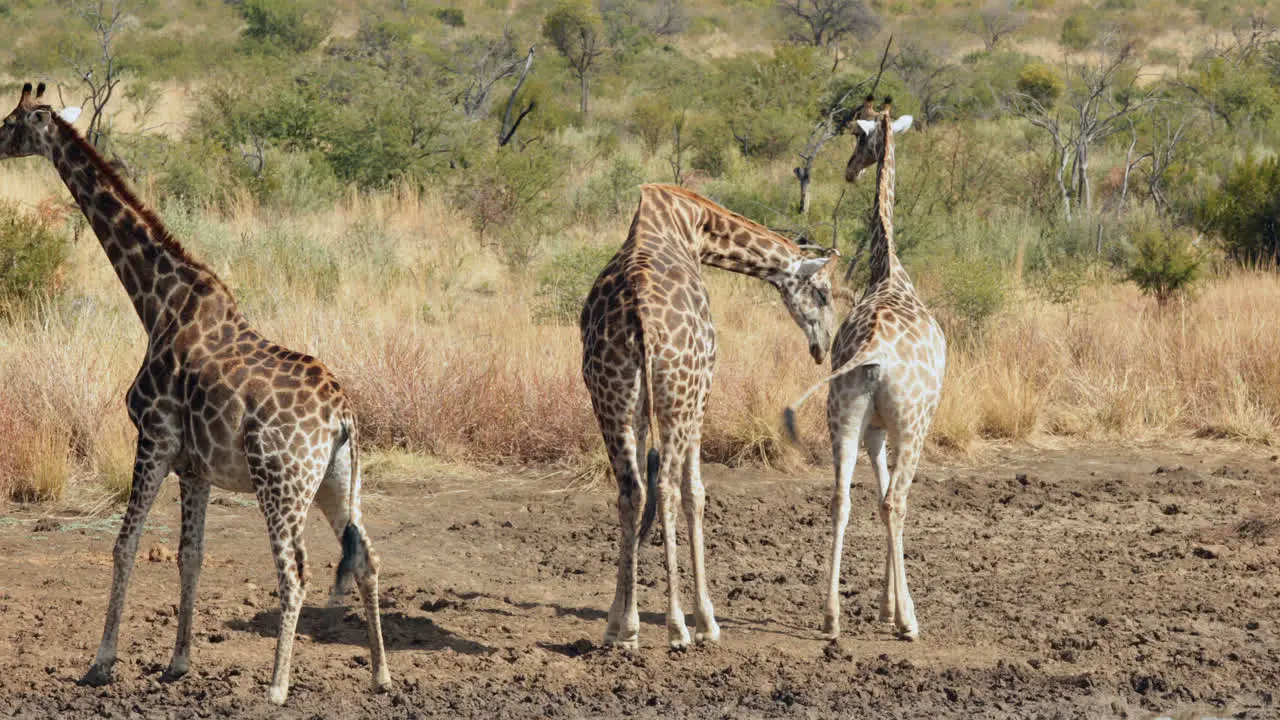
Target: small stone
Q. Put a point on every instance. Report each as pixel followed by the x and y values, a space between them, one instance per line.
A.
pixel 160 554
pixel 1209 552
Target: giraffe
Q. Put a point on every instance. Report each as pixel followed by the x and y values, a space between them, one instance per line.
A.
pixel 215 403
pixel 648 352
pixel 888 360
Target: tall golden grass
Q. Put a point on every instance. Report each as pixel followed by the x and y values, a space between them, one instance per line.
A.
pixel 436 340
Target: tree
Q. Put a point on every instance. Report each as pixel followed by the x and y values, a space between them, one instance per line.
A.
pixel 1100 98
pixel 509 123
pixel 98 65
pixel 996 21
pixel 576 30
pixel 480 63
pixel 928 76
pixel 823 23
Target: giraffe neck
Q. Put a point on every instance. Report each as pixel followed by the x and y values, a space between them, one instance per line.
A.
pixel 734 243
pixel 884 254
pixel 156 272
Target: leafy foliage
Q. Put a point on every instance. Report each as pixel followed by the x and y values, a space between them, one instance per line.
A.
pixel 1164 264
pixel 32 255
pixel 1246 211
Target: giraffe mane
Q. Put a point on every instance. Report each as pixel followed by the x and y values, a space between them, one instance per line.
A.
pixel 707 202
pixel 147 216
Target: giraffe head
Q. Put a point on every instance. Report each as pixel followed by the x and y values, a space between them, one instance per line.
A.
pixel 807 291
pixel 869 130
pixel 27 130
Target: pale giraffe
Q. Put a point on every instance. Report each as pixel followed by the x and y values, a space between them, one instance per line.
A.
pixel 888 357
pixel 214 402
pixel 648 352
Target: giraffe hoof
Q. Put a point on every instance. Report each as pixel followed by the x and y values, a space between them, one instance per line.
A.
pixel 614 642
pixel 176 671
pixel 99 674
pixel 911 635
pixel 382 681
pixel 277 695
pixel 711 636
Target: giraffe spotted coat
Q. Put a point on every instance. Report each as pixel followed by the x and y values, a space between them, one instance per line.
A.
pixel 648 353
pixel 214 402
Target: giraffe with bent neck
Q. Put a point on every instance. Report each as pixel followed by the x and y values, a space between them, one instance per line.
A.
pixel 889 357
pixel 648 353
pixel 215 403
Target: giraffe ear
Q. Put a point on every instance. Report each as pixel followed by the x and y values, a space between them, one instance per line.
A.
pixel 809 266
pixel 69 114
pixel 902 124
pixel 868 127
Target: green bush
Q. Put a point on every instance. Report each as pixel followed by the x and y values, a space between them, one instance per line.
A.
pixel 613 192
pixel 1164 264
pixel 1246 211
pixel 274 25
pixel 972 293
pixel 563 285
pixel 31 256
pixel 452 17
pixel 1080 29
pixel 652 120
pixel 1041 82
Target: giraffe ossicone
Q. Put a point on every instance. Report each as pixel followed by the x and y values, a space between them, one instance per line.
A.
pixel 214 402
pixel 648 354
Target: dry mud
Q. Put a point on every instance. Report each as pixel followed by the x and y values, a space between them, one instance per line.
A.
pixel 1099 582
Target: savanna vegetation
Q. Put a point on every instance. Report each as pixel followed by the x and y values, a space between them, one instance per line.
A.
pixel 421 193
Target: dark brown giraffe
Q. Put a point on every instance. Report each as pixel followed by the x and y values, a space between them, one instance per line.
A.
pixel 214 402
pixel 648 352
pixel 889 359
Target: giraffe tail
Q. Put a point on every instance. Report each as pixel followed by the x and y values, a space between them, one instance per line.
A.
pixel 860 359
pixel 653 462
pixel 355 552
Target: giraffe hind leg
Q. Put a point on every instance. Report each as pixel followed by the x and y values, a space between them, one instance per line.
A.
pixel 623 629
pixel 356 548
pixel 694 493
pixel 848 414
pixel 879 457
pixel 668 503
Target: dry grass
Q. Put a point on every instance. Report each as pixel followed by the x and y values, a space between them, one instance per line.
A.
pixel 435 339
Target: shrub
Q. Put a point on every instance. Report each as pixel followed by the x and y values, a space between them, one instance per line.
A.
pixel 1164 264
pixel 564 284
pixel 652 121
pixel 31 256
pixel 614 191
pixel 452 17
pixel 1246 211
pixel 972 292
pixel 1041 82
pixel 273 25
pixel 1080 28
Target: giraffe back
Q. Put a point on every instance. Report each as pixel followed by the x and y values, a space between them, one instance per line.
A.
pixel 650 294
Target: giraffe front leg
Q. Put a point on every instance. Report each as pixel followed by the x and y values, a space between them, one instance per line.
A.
pixel 151 464
pixel 195 503
pixel 705 628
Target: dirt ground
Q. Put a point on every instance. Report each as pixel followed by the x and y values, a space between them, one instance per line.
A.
pixel 1089 582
